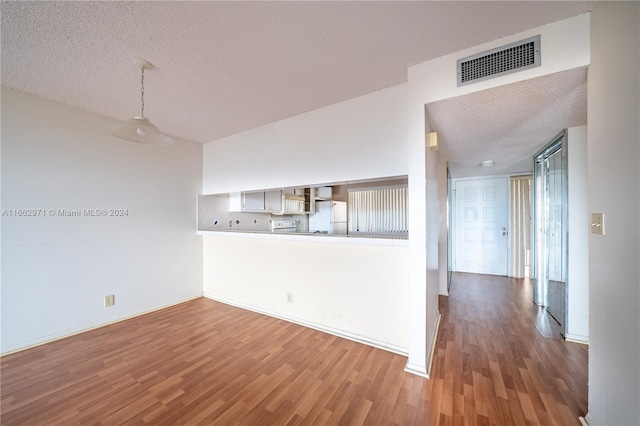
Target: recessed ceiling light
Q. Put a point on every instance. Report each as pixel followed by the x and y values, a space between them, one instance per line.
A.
pixel 487 163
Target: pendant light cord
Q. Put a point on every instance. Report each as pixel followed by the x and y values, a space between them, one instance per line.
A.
pixel 142 93
pixel 139 129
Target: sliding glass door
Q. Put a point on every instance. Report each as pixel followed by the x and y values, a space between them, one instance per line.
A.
pixel 550 250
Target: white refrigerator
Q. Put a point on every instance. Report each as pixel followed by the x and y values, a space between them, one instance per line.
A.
pixel 330 217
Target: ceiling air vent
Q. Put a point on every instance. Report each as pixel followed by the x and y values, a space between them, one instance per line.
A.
pixel 513 57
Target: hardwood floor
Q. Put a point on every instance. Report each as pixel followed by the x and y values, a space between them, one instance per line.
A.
pixel 495 363
pixel 203 362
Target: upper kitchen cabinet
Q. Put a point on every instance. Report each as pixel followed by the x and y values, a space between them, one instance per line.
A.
pixel 246 201
pixel 273 201
pixel 323 193
pixel 253 201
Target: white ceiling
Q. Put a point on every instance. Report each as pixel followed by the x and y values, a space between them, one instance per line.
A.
pixel 225 67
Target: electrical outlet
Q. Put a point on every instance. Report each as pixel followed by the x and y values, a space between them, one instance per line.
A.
pixel 109 300
pixel 289 297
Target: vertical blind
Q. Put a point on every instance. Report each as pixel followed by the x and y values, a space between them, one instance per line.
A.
pixel 378 210
pixel 520 227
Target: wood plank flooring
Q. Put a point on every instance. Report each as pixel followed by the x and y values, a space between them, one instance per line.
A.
pixel 495 363
pixel 203 362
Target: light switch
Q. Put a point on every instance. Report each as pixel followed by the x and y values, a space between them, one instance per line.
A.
pixel 597 223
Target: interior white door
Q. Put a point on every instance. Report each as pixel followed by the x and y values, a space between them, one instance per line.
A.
pixel 480 226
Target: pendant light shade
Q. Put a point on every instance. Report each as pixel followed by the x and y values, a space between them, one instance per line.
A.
pixel 139 129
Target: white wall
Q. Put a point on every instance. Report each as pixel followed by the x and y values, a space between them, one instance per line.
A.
pixel 360 290
pixel 578 235
pixel 614 189
pixel 56 270
pixel 564 45
pixel 443 237
pixel 360 138
pixel 433 221
pixel 419 126
pixel 352 289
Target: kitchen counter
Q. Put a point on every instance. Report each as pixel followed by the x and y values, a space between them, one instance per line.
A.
pixel 364 239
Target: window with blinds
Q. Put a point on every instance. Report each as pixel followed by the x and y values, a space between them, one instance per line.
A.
pixel 381 210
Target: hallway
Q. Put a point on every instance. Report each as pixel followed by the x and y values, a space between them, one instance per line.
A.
pixel 494 363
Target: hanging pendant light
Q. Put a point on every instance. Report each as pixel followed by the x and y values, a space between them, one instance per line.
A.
pixel 139 129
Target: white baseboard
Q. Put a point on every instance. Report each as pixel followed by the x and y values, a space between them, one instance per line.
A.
pixel 432 352
pixel 576 338
pixel 320 327
pixel 443 293
pixel 416 369
pixel 34 344
pixel 589 419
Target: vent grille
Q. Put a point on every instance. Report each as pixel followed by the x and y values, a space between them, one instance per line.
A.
pixel 503 60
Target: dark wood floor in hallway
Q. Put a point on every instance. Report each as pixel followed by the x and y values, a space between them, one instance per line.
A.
pixel 202 362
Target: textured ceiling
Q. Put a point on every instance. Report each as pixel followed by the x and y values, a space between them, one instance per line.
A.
pixel 507 124
pixel 225 67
